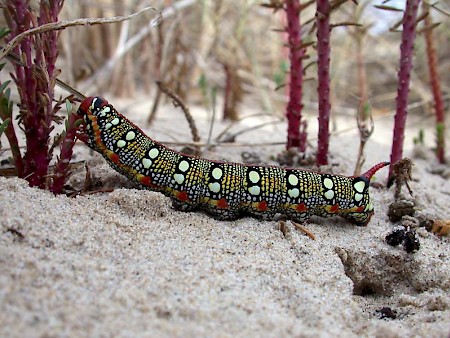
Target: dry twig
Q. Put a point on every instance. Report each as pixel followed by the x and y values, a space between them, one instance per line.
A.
pixel 70 23
pixel 178 102
pixel 304 230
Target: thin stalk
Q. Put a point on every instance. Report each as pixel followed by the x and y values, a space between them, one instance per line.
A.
pixel 404 74
pixel 61 171
pixel 227 92
pixel 323 76
pixel 34 97
pixel 435 86
pixel 364 114
pixel 11 135
pixel 296 137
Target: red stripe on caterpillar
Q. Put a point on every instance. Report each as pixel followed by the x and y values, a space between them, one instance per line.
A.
pixel 224 190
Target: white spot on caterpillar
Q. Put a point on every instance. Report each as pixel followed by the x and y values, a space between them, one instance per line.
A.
pixel 328 183
pixel 115 121
pixel 254 190
pixel 130 135
pixel 121 143
pixel 104 111
pixel 93 103
pixel 183 166
pixel 293 180
pixel 217 173
pixel 146 163
pixel 359 186
pixel 294 193
pixel 153 153
pixel 254 177
pixel 329 194
pixel 214 187
pixel 179 178
pixel 108 125
pixel 358 197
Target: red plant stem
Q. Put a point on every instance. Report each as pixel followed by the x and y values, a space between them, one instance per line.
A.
pixel 404 73
pixel 36 94
pixel 10 134
pixel 284 53
pixel 296 137
pixel 33 166
pixel 49 45
pixel 50 14
pixel 435 88
pixel 66 151
pixel 323 76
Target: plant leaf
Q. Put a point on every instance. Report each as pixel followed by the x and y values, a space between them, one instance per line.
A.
pixel 4 85
pixel 4 32
pixel 4 125
pixel 69 106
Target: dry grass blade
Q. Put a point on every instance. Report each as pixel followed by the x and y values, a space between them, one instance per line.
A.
pixel 304 230
pixel 70 23
pixel 428 28
pixel 345 23
pixel 232 137
pixel 388 8
pixel 440 10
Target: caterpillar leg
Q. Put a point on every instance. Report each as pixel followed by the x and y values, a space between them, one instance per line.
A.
pixel 219 214
pixel 224 214
pixel 359 219
pixel 182 206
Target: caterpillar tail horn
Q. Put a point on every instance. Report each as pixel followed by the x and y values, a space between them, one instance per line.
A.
pixel 369 173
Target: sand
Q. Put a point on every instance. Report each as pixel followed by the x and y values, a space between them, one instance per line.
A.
pixel 125 264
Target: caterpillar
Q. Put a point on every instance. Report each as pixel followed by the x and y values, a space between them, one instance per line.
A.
pixel 224 190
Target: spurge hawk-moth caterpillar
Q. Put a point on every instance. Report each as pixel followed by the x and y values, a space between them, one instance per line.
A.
pixel 224 190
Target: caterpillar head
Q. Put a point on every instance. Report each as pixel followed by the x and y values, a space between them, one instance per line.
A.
pixel 91 105
pixel 92 110
pixel 361 197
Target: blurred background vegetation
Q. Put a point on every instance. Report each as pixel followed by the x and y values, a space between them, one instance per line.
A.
pixel 236 48
pixel 209 43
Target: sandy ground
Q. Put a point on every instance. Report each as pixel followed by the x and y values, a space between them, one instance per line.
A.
pixel 125 264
